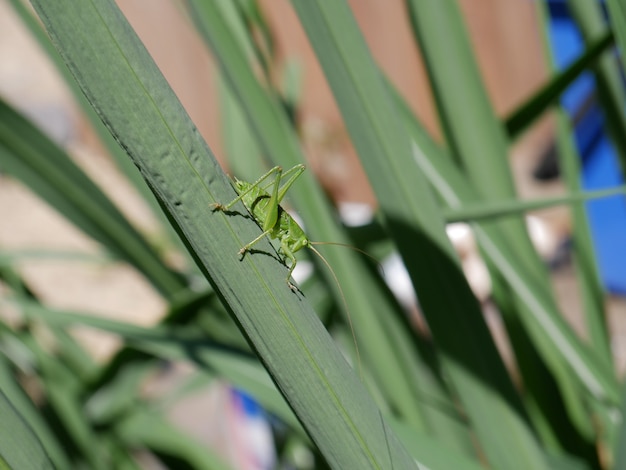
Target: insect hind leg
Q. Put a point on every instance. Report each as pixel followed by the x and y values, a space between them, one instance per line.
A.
pixel 292 258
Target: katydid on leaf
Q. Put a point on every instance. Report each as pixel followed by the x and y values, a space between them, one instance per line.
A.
pixel 265 207
pixel 263 202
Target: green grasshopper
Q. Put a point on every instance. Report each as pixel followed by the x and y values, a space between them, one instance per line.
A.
pixel 275 222
pixel 263 203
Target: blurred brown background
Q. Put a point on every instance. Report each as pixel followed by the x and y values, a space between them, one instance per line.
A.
pixel 504 34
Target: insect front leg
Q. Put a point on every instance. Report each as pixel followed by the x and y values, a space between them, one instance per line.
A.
pixel 247 246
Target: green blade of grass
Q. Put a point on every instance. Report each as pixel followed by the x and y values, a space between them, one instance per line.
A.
pixel 590 19
pixel 617 15
pixel 178 344
pixel 551 334
pixel 37 432
pixel 620 443
pixel 497 209
pixel 125 87
pixel 80 365
pixel 244 157
pixel 19 446
pixel 473 132
pixel 268 121
pixel 60 388
pixel 39 34
pixel 239 370
pixel 120 380
pixel 455 191
pixel 548 95
pixel 478 142
pixel 62 393
pixel 591 291
pixel 27 154
pixel 412 217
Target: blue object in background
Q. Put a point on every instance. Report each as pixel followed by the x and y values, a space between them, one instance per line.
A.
pixel 251 432
pixel 607 217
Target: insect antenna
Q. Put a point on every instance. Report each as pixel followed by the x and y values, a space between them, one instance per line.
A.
pixel 343 298
pixel 353 248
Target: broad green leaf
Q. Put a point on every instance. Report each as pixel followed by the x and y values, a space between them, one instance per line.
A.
pixel 143 114
pixel 238 370
pixel 522 290
pixel 550 332
pixel 456 192
pixel 408 207
pixel 402 384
